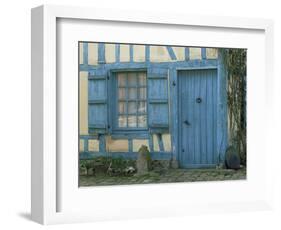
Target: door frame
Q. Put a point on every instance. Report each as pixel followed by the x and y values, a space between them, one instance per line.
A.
pixel 180 118
pixel 222 117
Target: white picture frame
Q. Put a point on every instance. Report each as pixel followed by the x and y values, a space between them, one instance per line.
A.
pixel 50 192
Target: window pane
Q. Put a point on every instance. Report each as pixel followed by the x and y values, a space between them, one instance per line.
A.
pixel 132 93
pixel 142 79
pixel 122 107
pixel 132 121
pixel 132 79
pixel 122 79
pixel 122 121
pixel 122 93
pixel 142 93
pixel 142 107
pixel 141 121
pixel 132 111
pixel 132 107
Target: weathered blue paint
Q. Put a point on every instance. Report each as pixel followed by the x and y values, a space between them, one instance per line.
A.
pixel 131 53
pixel 163 106
pixel 117 53
pixel 196 148
pixel 102 143
pixel 85 53
pixel 158 108
pixel 146 65
pixel 101 53
pixel 151 145
pixel 130 145
pixel 171 53
pixel 203 53
pixel 86 142
pixel 97 101
pixel 147 54
pixel 173 105
pixel 187 55
pixel 130 135
pixel 88 137
pixel 129 155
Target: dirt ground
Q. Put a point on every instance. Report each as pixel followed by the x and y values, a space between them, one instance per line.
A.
pixel 165 176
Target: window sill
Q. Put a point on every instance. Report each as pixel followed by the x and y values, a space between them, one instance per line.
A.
pixel 137 134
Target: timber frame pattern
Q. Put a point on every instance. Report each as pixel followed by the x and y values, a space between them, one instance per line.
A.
pixel 106 71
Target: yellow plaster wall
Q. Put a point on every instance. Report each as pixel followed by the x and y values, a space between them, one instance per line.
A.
pixel 83 103
pixel 121 145
pixel 159 54
pixel 180 53
pixel 137 143
pixel 155 143
pixel 93 145
pixel 110 53
pixel 81 60
pixel 194 53
pixel 92 53
pixel 211 53
pixel 166 138
pixel 81 145
pixel 124 53
pixel 139 53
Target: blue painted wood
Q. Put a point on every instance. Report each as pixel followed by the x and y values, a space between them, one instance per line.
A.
pixel 97 102
pixel 158 107
pixel 210 124
pixel 128 155
pixel 134 134
pixel 215 120
pixel 101 53
pixel 86 145
pixel 173 108
pixel 187 55
pixel 131 53
pixel 204 111
pixel 147 54
pixel 171 53
pixel 117 53
pixel 196 132
pixel 197 120
pixel 102 143
pixel 88 137
pixel 130 145
pixel 172 125
pixel 85 53
pixel 208 63
pixel 151 144
pixel 203 53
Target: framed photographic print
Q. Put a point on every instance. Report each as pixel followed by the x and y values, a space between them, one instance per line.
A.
pixel 139 114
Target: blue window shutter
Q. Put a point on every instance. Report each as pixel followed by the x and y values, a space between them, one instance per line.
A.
pixel 158 106
pixel 98 102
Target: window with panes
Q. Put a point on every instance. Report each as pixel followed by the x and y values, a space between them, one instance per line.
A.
pixel 131 100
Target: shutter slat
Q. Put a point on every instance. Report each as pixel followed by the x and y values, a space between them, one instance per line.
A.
pixel 158 103
pixel 97 102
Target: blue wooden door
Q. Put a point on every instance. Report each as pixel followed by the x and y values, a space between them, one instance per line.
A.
pixel 197 118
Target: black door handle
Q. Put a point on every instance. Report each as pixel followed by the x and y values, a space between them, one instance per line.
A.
pixel 198 99
pixel 186 122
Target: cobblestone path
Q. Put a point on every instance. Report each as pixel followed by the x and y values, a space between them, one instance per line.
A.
pixel 165 176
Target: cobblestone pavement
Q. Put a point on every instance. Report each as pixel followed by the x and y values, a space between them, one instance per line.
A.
pixel 165 176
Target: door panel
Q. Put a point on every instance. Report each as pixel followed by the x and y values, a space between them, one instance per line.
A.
pixel 197 118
